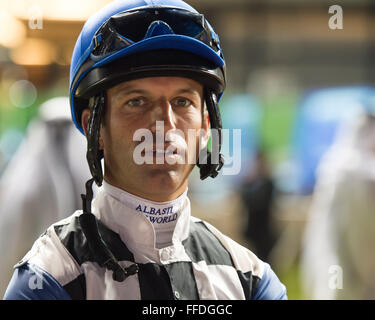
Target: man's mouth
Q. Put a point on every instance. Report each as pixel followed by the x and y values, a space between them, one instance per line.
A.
pixel 164 152
pixel 168 151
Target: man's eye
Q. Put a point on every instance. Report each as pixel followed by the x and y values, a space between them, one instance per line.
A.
pixel 136 102
pixel 182 102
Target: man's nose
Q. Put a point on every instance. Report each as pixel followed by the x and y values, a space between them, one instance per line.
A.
pixel 163 111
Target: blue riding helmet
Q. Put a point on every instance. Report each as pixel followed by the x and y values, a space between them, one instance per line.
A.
pixel 130 39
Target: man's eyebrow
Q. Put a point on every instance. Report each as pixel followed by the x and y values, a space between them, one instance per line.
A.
pixel 124 91
pixel 127 91
pixel 188 90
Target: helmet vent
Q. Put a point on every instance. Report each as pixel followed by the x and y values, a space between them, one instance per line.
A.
pixel 158 28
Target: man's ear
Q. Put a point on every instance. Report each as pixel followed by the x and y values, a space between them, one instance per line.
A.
pixel 86 113
pixel 85 120
pixel 206 128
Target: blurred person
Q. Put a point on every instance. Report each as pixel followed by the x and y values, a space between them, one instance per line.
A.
pixel 138 63
pixel 338 257
pixel 257 193
pixel 41 183
pixel 10 141
pixel 319 115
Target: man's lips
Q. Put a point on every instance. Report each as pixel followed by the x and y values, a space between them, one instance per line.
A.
pixel 173 145
pixel 168 150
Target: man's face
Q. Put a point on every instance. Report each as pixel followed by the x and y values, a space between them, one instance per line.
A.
pixel 139 104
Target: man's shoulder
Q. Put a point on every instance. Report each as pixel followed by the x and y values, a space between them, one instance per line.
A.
pixel 30 282
pixel 242 258
pixel 51 255
pixel 48 270
pixel 257 277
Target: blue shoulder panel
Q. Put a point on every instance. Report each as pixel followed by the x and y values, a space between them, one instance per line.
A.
pixel 270 287
pixel 30 282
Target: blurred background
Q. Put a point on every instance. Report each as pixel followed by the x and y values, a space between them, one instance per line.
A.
pixel 302 94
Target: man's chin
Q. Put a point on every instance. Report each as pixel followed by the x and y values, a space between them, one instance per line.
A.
pixel 166 175
pixel 164 183
pixel 163 172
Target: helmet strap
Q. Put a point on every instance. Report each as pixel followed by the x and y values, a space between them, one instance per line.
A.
pixel 208 164
pixel 94 155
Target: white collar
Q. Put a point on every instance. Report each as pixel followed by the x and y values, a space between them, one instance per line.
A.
pixel 120 211
pixel 152 209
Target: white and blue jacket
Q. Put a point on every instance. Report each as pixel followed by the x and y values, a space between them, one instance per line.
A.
pixel 199 262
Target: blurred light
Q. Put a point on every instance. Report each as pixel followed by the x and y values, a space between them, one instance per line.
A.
pixel 12 31
pixel 370 105
pixel 34 52
pixel 272 82
pixel 242 112
pixel 11 74
pixel 4 58
pixel 55 10
pixel 320 114
pixel 55 109
pixel 63 56
pixel 22 94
